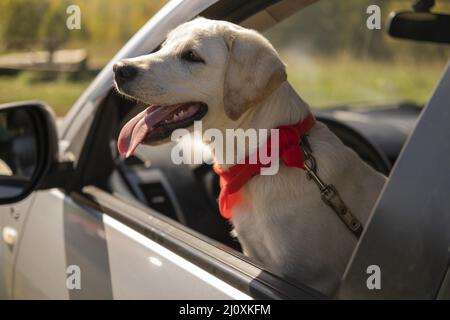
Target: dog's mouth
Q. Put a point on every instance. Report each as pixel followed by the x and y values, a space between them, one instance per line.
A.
pixel 156 123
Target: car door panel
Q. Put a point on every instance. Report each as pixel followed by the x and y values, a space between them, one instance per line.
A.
pixel 12 217
pixel 152 256
pixel 143 269
pixel 115 261
pixel 41 262
pixel 60 233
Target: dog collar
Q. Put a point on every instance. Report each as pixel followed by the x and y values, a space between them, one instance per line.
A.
pixel 295 151
pixel 290 152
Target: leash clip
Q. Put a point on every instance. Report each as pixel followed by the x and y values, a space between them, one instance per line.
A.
pixel 328 192
pixel 332 198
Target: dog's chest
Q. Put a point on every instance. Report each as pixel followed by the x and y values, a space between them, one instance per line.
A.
pixel 282 222
pixel 279 211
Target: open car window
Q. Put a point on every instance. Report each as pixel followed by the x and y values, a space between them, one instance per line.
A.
pixel 335 60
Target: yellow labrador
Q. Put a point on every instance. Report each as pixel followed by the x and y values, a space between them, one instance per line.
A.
pixel 231 77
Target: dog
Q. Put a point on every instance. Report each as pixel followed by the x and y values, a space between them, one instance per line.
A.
pixel 231 77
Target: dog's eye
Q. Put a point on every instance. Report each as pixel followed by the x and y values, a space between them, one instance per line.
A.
pixel 191 56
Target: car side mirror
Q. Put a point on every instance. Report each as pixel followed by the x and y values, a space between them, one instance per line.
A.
pixel 28 148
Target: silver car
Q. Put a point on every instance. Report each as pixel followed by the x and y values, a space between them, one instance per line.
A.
pixel 79 222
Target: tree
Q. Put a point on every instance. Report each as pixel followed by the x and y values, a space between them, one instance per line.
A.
pixel 18 21
pixel 53 32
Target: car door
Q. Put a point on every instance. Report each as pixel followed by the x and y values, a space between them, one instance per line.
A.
pixel 112 259
pixel 123 251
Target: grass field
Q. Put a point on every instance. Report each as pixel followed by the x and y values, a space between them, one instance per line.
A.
pixel 59 94
pixel 322 82
pixel 325 82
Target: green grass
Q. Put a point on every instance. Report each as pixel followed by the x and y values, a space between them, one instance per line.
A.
pixel 60 94
pixel 332 81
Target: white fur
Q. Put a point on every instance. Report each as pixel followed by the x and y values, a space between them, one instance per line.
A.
pixel 281 222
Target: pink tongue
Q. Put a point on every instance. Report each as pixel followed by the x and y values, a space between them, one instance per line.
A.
pixel 135 130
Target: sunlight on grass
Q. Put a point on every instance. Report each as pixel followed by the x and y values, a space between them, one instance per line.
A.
pixel 325 82
pixel 59 94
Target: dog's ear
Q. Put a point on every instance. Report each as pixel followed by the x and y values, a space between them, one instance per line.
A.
pixel 254 71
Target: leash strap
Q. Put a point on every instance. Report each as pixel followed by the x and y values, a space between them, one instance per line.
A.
pixel 328 192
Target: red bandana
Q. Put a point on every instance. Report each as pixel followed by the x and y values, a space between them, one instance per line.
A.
pixel 290 152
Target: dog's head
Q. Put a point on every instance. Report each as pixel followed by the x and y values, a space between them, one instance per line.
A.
pixel 210 70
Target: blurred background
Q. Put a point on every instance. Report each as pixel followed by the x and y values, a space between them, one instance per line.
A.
pixel 31 29
pixel 40 58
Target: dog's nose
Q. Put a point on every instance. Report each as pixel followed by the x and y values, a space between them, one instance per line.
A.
pixel 124 72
